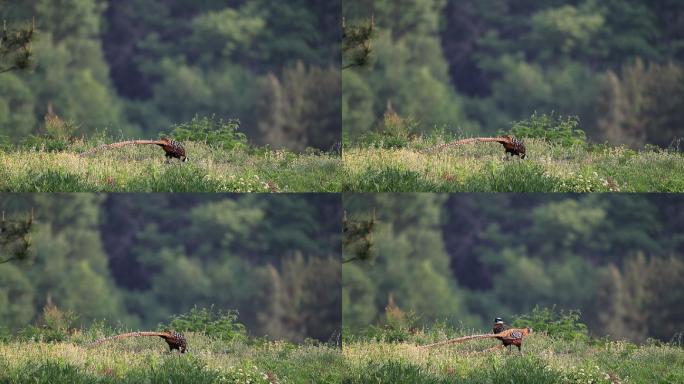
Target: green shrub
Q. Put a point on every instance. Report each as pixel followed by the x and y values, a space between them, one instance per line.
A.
pixel 5 143
pixel 389 179
pixel 392 372
pixel 555 130
pixel 219 133
pixel 396 132
pixel 398 325
pixel 520 370
pixel 188 369
pixel 53 326
pixel 58 136
pixel 565 325
pixel 50 371
pixel 210 322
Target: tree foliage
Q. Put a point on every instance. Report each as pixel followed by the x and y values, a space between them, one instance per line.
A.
pixel 135 68
pixel 465 259
pixel 139 260
pixel 15 47
pixel 357 43
pixel 15 238
pixel 474 67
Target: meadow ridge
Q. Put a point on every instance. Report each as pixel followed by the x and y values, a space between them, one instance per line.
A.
pixel 543 360
pixel 143 169
pixel 147 359
pixel 483 167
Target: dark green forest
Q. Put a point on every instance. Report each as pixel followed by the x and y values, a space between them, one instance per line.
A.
pixel 133 260
pixel 473 67
pixel 464 259
pixel 133 68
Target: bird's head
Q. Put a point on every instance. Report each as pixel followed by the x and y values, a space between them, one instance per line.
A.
pixel 498 320
pixel 184 159
pixel 522 155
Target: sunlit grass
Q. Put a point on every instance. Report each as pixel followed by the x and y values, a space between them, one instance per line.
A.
pixel 140 360
pixel 144 169
pixel 483 167
pixel 544 360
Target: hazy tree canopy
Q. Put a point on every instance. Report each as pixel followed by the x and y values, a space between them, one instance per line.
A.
pixel 466 259
pixel 135 260
pixel 136 67
pixel 479 65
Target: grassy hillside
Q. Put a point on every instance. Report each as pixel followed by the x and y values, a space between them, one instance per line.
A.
pixel 482 167
pixel 147 360
pixel 143 169
pixel 544 360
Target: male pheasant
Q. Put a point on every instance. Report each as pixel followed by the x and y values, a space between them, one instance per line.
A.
pixel 172 148
pixel 174 339
pixel 513 336
pixel 515 147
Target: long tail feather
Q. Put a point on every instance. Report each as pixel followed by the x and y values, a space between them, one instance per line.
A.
pixel 456 143
pixel 121 144
pixel 461 340
pixel 129 334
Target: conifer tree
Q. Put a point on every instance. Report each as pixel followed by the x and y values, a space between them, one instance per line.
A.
pixel 15 47
pixel 15 240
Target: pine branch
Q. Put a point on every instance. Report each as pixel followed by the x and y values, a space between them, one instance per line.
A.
pixel 358 234
pixel 357 43
pixel 15 47
pixel 15 238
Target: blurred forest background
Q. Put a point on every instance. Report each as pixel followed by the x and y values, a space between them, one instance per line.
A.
pixel 466 258
pixel 136 259
pixel 474 66
pixel 135 67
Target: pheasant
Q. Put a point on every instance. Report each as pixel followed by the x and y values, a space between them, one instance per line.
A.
pixel 172 148
pixel 514 146
pixel 174 339
pixel 513 336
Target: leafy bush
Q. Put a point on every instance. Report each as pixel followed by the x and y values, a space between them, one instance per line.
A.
pixel 5 143
pixel 220 133
pixel 58 136
pixel 246 374
pixel 210 322
pixel 54 325
pixel 398 327
pixel 564 325
pixel 555 130
pixel 527 369
pixel 392 372
pixel 389 179
pixel 396 132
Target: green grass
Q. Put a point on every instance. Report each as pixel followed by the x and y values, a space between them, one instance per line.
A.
pixel 545 360
pixel 482 167
pixel 143 169
pixel 147 360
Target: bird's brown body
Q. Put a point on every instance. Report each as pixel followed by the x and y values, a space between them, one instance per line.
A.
pixel 172 148
pixel 514 146
pixel 175 340
pixel 513 336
